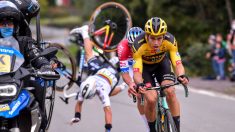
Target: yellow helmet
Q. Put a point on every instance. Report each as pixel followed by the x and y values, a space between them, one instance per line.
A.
pixel 155 26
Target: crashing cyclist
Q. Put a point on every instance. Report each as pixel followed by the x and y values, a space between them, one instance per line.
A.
pixel 10 17
pixel 150 57
pixel 124 51
pixel 103 82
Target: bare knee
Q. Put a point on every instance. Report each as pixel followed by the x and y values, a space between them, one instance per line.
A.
pixel 170 93
pixel 151 99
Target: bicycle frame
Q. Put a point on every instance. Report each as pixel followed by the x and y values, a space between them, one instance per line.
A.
pixel 106 30
pixel 81 63
pixel 79 79
pixel 162 108
pixel 163 102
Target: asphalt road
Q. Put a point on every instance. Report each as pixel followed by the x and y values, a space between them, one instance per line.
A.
pixel 200 113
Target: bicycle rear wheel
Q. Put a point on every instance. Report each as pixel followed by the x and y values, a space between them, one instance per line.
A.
pixel 66 67
pixel 109 24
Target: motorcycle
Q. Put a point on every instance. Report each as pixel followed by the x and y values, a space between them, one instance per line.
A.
pixel 19 109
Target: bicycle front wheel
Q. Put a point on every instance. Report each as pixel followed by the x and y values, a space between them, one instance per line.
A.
pixel 170 122
pixel 165 122
pixel 66 67
pixel 49 104
pixel 109 24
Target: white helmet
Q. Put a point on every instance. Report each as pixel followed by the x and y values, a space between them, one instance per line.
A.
pixel 88 88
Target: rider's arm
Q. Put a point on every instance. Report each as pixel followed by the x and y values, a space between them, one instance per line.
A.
pixel 138 50
pixel 175 57
pixel 179 70
pixel 138 67
pixel 77 115
pixel 31 51
pixel 176 62
pixel 127 79
pixel 78 107
pixel 125 72
pixel 123 51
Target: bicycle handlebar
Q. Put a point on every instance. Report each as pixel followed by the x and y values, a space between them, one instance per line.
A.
pixel 158 88
pixel 169 85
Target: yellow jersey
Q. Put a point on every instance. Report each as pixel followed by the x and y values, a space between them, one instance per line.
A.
pixel 143 53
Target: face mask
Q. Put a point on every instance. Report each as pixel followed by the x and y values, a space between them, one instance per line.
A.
pixel 6 32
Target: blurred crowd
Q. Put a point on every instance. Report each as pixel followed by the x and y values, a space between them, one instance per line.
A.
pixel 221 54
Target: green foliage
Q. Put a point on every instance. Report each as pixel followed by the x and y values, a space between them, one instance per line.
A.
pixel 86 7
pixel 195 60
pixel 69 22
pixel 43 7
pixel 190 21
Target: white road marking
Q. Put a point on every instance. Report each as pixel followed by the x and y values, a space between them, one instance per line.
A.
pixel 208 93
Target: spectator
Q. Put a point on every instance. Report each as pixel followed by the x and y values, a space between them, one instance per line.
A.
pixel 210 54
pixel 231 69
pixel 219 56
pixel 231 43
pixel 219 38
pixel 231 40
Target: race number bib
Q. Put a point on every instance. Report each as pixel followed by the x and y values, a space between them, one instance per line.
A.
pixel 5 63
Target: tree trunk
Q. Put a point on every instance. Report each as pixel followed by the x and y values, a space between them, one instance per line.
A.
pixel 229 9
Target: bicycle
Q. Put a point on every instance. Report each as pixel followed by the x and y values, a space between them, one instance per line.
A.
pixel 50 87
pixel 164 119
pixel 66 66
pixel 80 76
pixel 108 25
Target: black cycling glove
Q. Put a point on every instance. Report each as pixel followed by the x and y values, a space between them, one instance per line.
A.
pixel 182 76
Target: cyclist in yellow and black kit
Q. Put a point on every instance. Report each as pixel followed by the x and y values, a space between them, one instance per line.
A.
pixel 155 51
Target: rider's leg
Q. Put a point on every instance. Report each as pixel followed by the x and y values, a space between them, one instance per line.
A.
pixel 88 44
pixel 150 96
pixel 164 75
pixel 150 109
pixel 173 103
pixel 142 114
